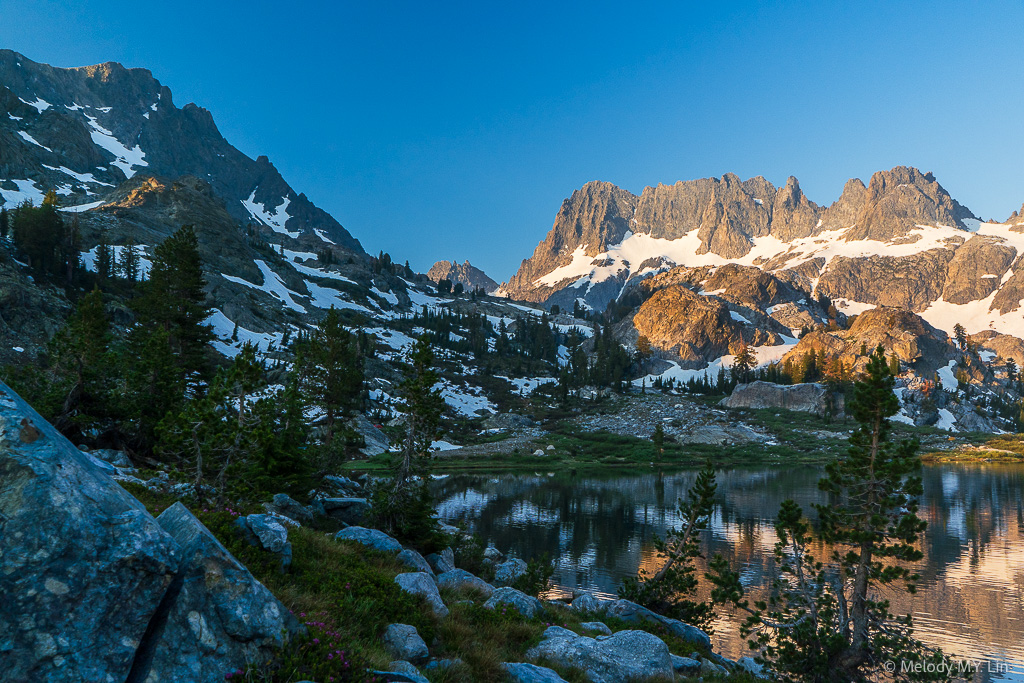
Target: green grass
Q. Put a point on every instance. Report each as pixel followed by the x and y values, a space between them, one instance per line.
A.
pixel 346 596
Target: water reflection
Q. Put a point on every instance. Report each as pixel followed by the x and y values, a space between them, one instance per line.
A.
pixel 970 600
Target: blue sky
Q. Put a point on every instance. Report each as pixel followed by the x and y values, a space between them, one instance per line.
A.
pixel 456 132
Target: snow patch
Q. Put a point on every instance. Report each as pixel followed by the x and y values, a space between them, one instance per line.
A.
pixel 946 421
pixel 28 138
pixel 124 158
pixel 40 104
pixel 272 285
pixel 949 381
pixel 27 191
pixel 275 220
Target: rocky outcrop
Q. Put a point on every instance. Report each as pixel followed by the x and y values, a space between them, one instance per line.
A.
pixel 625 656
pixel 93 588
pixel 805 398
pixel 694 327
pixel 976 269
pixel 898 331
pixel 911 282
pixel 85 112
pixel 465 273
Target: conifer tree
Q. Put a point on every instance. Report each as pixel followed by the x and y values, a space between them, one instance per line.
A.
pixel 743 364
pixel 669 590
pixel 827 619
pixel 424 406
pixel 331 371
pixel 129 264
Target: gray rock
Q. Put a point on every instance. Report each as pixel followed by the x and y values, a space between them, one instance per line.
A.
pixel 412 559
pixel 376 441
pixel 636 614
pixel 684 666
pixel 266 532
pixel 526 605
pixel 421 583
pixel 221 619
pixel 348 511
pixel 441 664
pixel 750 666
pixel 461 579
pixel 273 536
pixel 709 668
pixel 403 642
pixel 625 656
pixel 116 458
pixel 521 672
pixel 341 487
pixel 596 627
pixel 807 398
pixel 492 555
pixel 442 562
pixel 506 573
pixel 283 504
pixel 585 603
pixel 83 566
pixel 401 672
pixel 378 540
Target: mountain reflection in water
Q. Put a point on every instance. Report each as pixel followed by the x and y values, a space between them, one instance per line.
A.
pixel 599 529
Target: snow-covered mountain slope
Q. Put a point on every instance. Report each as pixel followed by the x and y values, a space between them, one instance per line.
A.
pixel 901 241
pixel 85 130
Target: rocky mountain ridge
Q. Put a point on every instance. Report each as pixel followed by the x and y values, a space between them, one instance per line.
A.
pixel 901 241
pixel 466 273
pixel 84 130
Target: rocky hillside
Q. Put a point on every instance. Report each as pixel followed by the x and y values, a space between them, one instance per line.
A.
pixel 470 276
pixel 900 241
pixel 85 130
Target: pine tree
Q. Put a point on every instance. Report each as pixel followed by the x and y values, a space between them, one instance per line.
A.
pixel 825 619
pixel 424 406
pixel 174 299
pixel 105 262
pixel 742 365
pixel 5 223
pixel 331 371
pixel 960 335
pixel 669 590
pixel 129 264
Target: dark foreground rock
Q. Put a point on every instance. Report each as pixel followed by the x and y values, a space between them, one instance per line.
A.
pixel 805 398
pixel 92 588
pixel 220 616
pixel 83 566
pixel 623 657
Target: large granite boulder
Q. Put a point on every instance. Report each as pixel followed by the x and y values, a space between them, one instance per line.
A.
pixel 413 560
pixel 83 566
pixel 220 618
pixel 637 614
pixel 506 573
pixel 403 642
pixel 348 511
pixel 461 579
pixel 372 538
pixel 423 584
pixel 805 398
pixel 525 604
pixel 623 657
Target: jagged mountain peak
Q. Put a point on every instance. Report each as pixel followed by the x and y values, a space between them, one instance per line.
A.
pixel 85 130
pixel 466 273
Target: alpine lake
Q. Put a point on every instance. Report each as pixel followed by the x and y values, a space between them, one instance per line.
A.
pixel 599 529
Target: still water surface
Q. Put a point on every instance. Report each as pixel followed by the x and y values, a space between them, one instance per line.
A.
pixel 599 529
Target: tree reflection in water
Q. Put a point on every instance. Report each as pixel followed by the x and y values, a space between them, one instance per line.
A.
pixel 970 599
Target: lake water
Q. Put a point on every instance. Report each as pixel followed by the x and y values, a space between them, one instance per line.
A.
pixel 599 529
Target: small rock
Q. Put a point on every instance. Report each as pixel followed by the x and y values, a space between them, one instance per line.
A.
pixel 442 562
pixel 403 641
pixel 521 672
pixel 625 656
pixel 283 504
pixel 585 603
pixel 749 665
pixel 596 627
pixel 341 487
pixel 413 560
pixel 709 668
pixel 526 605
pixel 493 554
pixel 461 579
pixel 350 511
pixel 538 452
pixel 378 540
pixel 273 536
pixel 401 672
pixel 116 458
pixel 421 583
pixel 506 573
pixel 685 666
pixel 634 613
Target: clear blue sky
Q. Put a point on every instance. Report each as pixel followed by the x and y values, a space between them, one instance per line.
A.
pixel 455 132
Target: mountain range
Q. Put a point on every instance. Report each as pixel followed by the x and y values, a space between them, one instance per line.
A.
pixel 699 269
